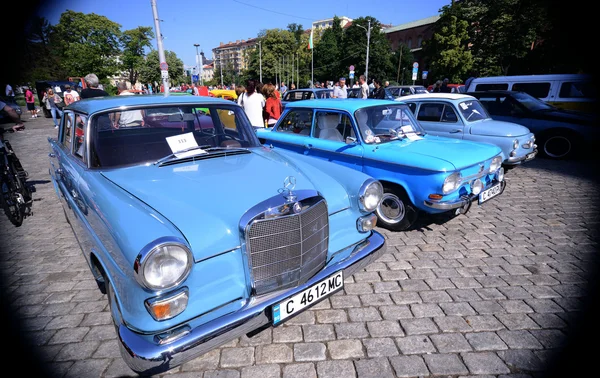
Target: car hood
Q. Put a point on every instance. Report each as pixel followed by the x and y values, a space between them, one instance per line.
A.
pixel 205 200
pixel 492 127
pixel 436 153
pixel 571 116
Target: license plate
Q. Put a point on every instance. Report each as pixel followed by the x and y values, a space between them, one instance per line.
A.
pixel 530 156
pixel 306 298
pixel 490 193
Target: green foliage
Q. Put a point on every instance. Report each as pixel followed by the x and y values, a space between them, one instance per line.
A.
pixel 149 70
pixel 403 71
pixel 87 43
pixel 135 42
pixel 450 56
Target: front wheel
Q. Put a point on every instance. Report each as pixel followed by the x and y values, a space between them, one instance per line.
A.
pixel 559 145
pixel 10 203
pixel 395 211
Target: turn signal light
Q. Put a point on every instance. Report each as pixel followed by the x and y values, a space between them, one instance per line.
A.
pixel 435 196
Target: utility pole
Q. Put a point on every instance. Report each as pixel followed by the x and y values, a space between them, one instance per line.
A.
pixel 399 64
pixel 164 68
pixel 368 43
pixel 197 61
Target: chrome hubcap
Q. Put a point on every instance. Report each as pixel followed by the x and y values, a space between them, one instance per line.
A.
pixel 391 208
pixel 557 146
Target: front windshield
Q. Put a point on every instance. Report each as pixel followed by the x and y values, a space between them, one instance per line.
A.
pixel 147 134
pixel 531 103
pixel 383 123
pixel 473 110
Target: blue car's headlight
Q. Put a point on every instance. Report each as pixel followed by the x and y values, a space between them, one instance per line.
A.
pixel 452 182
pixel 496 163
pixel 165 265
pixel 369 195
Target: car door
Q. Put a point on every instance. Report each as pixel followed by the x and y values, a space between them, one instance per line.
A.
pixel 441 119
pixel 292 131
pixel 333 138
pixel 502 107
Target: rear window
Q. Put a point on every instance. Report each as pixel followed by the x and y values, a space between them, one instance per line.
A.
pixel 577 89
pixel 492 87
pixel 539 90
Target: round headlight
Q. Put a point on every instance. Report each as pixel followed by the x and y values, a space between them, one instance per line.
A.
pixel 515 144
pixel 451 183
pixel 496 163
pixel 166 266
pixel 370 194
pixel 476 186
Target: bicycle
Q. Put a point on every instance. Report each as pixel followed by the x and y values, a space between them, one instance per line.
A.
pixel 15 194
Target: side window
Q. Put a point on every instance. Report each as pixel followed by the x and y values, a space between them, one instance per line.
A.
pixel 412 106
pixel 404 91
pixel 492 87
pixel 296 122
pixel 79 141
pixel 308 95
pixel 539 90
pixel 330 126
pixel 297 96
pixel 430 112
pixel 67 133
pixel 449 115
pixel 578 89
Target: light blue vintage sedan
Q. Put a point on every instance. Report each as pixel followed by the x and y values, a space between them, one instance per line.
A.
pixel 419 172
pixel 198 233
pixel 460 116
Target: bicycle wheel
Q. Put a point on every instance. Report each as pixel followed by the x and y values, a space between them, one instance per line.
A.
pixel 10 198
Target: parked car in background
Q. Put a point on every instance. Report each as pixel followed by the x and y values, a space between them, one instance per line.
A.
pixel 454 88
pixel 565 91
pixel 197 233
pixel 461 116
pixel 227 94
pixel 420 173
pixel 560 133
pixel 405 90
pixel 293 95
pixel 355 93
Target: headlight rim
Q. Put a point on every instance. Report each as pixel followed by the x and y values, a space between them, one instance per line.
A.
pixel 362 191
pixel 458 181
pixel 515 144
pixel 496 163
pixel 152 248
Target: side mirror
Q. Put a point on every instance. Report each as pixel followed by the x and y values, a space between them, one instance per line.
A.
pixel 350 140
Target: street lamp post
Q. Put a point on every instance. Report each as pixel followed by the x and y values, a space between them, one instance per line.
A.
pixel 197 67
pixel 368 43
pixel 260 59
pixel 164 68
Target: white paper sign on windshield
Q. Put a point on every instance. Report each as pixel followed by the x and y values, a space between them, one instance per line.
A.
pixel 183 142
pixel 409 131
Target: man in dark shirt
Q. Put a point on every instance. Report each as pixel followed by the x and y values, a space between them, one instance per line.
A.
pixel 92 89
pixel 445 88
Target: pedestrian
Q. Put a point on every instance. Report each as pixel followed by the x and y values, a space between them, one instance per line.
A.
pixel 273 105
pixel 340 90
pixel 387 83
pixel 51 100
pixel 364 88
pixel 239 90
pixel 378 92
pixel 10 93
pixel 436 87
pixel 444 87
pixel 283 88
pixel 70 96
pixel 293 86
pixel 253 103
pixel 13 115
pixel 92 90
pixel 130 118
pixel 30 101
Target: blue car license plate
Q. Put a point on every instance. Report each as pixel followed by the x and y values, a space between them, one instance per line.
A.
pixel 306 298
pixel 490 193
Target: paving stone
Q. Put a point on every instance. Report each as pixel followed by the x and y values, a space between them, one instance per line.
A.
pixel 445 364
pixel 363 314
pixel 287 334
pixel 237 357
pixel 484 341
pixel 521 360
pixel 490 294
pixel 463 295
pixel 519 339
pixel 376 299
pixel 384 328
pixel 437 296
pixel 426 310
pixel 517 321
pixel 273 354
pixel 386 287
pixel 335 369
pixel 418 326
pixel 452 324
pixel 484 323
pixel 415 344
pixel 548 320
pixel 318 332
pixel 414 285
pixel 515 306
pixel 484 363
pixel 345 301
pixel 404 298
pixel 550 338
pixel 395 312
pixel 351 331
pixel 450 343
pixel 263 371
pixel 374 368
pixel 304 370
pixel 457 309
pixel 544 305
pixel 440 284
pixel 207 361
pixel 309 352
pixel 331 316
pixel 345 349
pixel 409 366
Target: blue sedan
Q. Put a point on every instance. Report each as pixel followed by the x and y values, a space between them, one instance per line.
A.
pixel 196 232
pixel 461 116
pixel 419 172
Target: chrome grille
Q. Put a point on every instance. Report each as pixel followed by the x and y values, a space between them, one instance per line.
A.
pixel 286 251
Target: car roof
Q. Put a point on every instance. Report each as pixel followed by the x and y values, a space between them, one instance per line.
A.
pixel 433 96
pixel 493 91
pixel 407 86
pixel 95 104
pixel 350 104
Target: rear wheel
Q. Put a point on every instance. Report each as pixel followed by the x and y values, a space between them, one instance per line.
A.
pixel 559 144
pixel 395 211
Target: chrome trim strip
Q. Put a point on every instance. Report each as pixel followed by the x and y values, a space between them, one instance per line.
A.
pixel 218 254
pixel 145 356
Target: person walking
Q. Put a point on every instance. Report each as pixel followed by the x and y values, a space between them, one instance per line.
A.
pixel 378 92
pixel 70 95
pixel 272 105
pixel 283 88
pixel 253 103
pixel 364 87
pixel 51 100
pixel 93 89
pixel 30 101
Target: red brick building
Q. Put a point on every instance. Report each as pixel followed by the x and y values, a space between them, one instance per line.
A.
pixel 412 34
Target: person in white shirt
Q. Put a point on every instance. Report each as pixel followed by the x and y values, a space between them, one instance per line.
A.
pixel 130 118
pixel 364 88
pixel 340 90
pixel 253 104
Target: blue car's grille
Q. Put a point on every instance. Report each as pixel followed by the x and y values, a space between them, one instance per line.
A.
pixel 286 251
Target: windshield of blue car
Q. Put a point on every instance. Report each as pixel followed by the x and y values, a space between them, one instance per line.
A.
pixel 532 103
pixel 383 123
pixel 147 134
pixel 473 110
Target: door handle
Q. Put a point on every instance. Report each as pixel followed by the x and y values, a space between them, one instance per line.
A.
pixel 52 155
pixel 308 146
pixel 455 131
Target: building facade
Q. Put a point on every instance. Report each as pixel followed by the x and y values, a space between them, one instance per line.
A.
pixel 328 22
pixel 412 34
pixel 233 54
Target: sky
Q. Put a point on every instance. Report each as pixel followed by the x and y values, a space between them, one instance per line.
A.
pixel 187 22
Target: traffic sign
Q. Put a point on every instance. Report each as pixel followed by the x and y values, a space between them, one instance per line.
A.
pixel 164 74
pixel 351 76
pixel 424 74
pixel 194 78
pixel 351 68
pixel 415 65
pixel 164 66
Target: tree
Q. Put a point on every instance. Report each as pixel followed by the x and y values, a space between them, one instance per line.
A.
pixel 135 42
pixel 447 50
pixel 43 62
pixel 149 71
pixel 276 44
pixel 297 30
pixel 87 43
pixel 403 67
pixel 328 53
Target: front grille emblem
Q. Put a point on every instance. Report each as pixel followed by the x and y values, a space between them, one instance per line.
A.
pixel 289 184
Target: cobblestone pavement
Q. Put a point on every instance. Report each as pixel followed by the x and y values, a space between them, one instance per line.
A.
pixel 494 293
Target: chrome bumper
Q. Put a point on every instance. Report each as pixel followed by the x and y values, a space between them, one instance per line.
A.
pixel 521 159
pixel 464 201
pixel 149 358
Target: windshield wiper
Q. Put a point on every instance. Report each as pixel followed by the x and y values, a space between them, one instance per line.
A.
pixel 174 154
